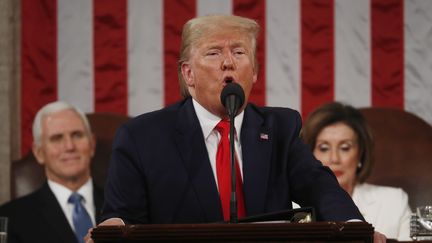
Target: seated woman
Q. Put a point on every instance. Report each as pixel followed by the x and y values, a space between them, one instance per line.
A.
pixel 341 139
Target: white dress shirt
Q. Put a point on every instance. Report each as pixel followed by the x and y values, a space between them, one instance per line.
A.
pixel 63 193
pixel 208 122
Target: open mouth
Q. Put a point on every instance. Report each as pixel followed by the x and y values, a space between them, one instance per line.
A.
pixel 228 80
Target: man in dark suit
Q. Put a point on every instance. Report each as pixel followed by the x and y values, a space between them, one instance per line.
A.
pixel 64 145
pixel 165 165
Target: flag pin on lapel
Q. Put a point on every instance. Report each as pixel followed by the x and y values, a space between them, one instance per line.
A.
pixel 264 136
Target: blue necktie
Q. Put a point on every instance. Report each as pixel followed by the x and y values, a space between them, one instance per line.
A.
pixel 80 217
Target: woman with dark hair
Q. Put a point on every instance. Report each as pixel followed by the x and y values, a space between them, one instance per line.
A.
pixel 340 138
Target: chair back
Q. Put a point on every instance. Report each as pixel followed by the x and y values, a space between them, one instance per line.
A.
pixel 27 175
pixel 403 152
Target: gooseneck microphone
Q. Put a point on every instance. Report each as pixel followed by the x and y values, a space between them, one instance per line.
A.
pixel 232 97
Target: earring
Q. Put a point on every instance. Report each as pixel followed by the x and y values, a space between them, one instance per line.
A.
pixel 359 165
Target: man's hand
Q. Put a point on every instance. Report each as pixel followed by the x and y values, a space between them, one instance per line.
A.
pixel 379 238
pixel 110 222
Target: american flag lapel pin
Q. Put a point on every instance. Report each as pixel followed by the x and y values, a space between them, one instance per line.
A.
pixel 264 136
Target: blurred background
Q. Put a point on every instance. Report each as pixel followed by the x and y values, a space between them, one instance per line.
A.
pixel 120 56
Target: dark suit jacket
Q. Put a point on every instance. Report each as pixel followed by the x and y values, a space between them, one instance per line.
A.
pixel 160 170
pixel 38 217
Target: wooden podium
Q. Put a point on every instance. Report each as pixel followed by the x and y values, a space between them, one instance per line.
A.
pixel 242 232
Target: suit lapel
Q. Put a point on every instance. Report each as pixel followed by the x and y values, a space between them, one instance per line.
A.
pixel 366 201
pixel 256 140
pixel 190 141
pixel 98 197
pixel 54 216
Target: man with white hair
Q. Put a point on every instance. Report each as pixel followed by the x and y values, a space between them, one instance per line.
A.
pixel 68 204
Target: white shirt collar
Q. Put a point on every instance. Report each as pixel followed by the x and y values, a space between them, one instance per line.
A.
pixel 208 121
pixel 63 193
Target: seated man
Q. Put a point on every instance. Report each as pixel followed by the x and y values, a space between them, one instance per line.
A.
pixel 68 204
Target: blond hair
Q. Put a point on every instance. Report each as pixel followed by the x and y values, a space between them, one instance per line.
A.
pixel 197 28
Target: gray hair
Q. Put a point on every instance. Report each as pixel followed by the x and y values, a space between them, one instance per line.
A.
pixel 49 109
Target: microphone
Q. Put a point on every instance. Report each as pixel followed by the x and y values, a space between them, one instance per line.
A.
pixel 232 98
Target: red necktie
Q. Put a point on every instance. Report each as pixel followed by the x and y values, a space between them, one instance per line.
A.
pixel 223 171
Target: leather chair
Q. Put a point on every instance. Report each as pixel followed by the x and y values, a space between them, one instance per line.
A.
pixel 27 175
pixel 403 153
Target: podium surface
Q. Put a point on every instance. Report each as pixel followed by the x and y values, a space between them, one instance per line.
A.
pixel 242 232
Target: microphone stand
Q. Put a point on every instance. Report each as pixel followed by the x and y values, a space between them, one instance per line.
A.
pixel 233 200
pixel 232 98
